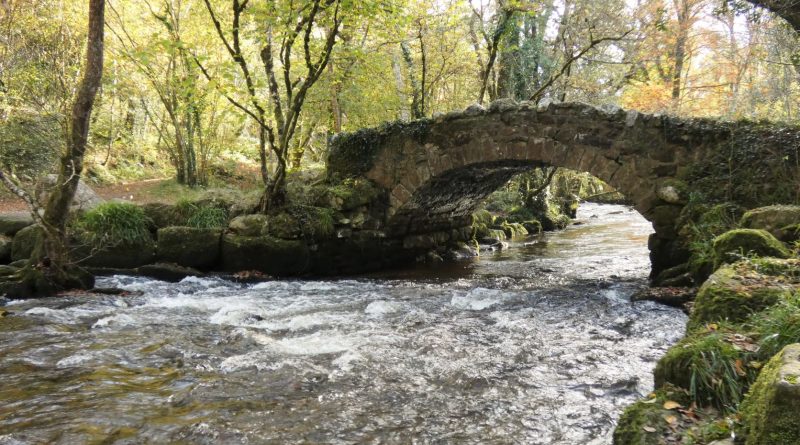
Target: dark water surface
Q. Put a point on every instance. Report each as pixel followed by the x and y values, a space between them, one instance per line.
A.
pixel 538 344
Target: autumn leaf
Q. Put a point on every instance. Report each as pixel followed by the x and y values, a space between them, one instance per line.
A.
pixel 671 419
pixel 671 404
pixel 649 429
pixel 737 365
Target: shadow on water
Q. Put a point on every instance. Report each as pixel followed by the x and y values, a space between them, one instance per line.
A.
pixel 537 344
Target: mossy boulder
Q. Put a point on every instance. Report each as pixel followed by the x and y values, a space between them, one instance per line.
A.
pixel 482 217
pixel 532 226
pixel 348 194
pixel 188 246
pixel 264 253
pixel 732 245
pixel 299 221
pixel 643 422
pixel 769 411
pixel 164 215
pixel 248 225
pixel 25 242
pixel 704 363
pixel 11 223
pixel 514 230
pixel 734 292
pixel 673 191
pixel 775 219
pixel 5 249
pixel 121 256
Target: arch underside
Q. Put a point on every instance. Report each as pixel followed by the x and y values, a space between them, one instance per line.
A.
pixel 449 199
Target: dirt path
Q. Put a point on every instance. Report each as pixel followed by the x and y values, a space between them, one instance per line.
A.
pixel 139 191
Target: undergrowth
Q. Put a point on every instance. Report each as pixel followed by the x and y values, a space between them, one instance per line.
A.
pixel 114 224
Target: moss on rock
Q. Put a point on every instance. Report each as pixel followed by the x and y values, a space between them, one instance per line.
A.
pixel 188 246
pixel 249 225
pixel 25 242
pixel 514 230
pixel 643 423
pixel 705 364
pixel 264 253
pixel 773 219
pixel 732 245
pixel 5 249
pixel 733 293
pixel 11 223
pixel 769 411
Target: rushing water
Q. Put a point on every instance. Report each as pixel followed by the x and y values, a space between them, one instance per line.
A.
pixel 537 344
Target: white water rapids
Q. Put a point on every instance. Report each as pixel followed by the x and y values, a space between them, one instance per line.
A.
pixel 538 344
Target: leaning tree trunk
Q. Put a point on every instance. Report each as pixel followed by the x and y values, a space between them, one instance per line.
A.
pixel 52 255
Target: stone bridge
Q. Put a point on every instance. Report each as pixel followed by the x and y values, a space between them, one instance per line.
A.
pixel 435 173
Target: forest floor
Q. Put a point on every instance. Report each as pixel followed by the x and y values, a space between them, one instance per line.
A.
pixel 149 190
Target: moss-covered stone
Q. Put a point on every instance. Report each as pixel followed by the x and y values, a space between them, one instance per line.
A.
pixel 248 225
pixel 673 191
pixel 25 242
pixel 482 217
pixel 349 194
pixel 704 363
pixel 732 245
pixel 164 215
pixel 769 411
pixel 533 226
pixel 733 293
pixel 307 222
pixel 773 219
pixel 514 230
pixel 643 423
pixel 264 253
pixel 11 223
pixel 123 256
pixel 190 247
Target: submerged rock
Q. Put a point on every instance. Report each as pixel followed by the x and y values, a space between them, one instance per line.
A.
pixel 167 271
pixel 770 408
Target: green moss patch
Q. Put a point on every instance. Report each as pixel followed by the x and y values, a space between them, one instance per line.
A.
pixel 735 244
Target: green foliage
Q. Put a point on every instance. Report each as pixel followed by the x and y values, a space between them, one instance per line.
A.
pixel 208 218
pixel 114 224
pixel 29 143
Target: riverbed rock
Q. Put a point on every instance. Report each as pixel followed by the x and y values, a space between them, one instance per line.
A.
pixel 735 291
pixel 643 422
pixel 123 256
pixel 776 219
pixel 167 272
pixel 734 244
pixel 85 198
pixel 264 253
pixel 770 408
pixel 25 242
pixel 11 223
pixel 189 247
pixel 248 225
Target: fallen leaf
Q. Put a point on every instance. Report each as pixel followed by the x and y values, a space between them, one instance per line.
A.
pixel 671 419
pixel 739 368
pixel 650 401
pixel 712 326
pixel 671 404
pixel 649 429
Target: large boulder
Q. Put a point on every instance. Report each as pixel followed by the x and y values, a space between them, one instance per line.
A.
pixel 25 242
pixel 735 291
pixel 123 256
pixel 733 244
pixel 11 223
pixel 264 253
pixel 248 225
pixel 776 219
pixel 85 198
pixel 164 215
pixel 770 408
pixel 190 247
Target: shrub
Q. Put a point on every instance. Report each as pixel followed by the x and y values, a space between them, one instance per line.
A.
pixel 208 218
pixel 114 224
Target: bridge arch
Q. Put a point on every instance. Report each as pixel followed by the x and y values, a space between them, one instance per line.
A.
pixel 435 173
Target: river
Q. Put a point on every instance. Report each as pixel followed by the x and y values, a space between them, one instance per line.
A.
pixel 536 344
